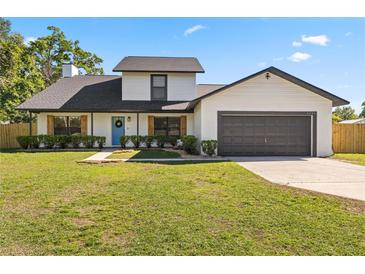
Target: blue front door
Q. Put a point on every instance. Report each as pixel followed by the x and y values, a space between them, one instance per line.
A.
pixel 117 129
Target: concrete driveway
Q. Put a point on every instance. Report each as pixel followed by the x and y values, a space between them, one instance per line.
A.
pixel 317 174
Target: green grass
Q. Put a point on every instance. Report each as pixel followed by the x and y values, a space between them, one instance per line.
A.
pixel 50 205
pixel 144 154
pixel 354 158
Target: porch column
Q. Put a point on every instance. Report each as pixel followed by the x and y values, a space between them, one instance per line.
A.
pixel 92 124
pixel 30 123
pixel 137 125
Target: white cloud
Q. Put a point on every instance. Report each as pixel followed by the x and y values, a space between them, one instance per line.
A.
pixel 29 39
pixel 299 57
pixel 348 33
pixel 262 64
pixel 321 40
pixel 194 29
pixel 297 44
pixel 276 59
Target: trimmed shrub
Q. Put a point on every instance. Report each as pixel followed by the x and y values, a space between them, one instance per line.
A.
pixel 62 140
pixel 23 141
pixel 135 140
pixel 123 141
pixel 88 141
pixel 190 144
pixel 209 146
pixel 149 140
pixel 161 140
pixel 34 141
pixel 76 140
pixel 49 141
pixel 100 141
pixel 173 140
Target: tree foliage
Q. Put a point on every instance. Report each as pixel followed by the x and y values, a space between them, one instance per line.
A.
pixel 19 76
pixel 362 113
pixel 345 113
pixel 26 69
pixel 54 50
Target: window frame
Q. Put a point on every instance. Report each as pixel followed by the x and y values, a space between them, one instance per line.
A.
pixel 152 87
pixel 167 129
pixel 67 119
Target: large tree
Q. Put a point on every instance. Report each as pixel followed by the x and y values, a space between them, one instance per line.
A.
pixel 362 113
pixel 54 50
pixel 345 113
pixel 19 76
pixel 26 69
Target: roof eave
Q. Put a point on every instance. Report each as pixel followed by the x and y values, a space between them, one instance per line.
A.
pixel 170 71
pixel 39 110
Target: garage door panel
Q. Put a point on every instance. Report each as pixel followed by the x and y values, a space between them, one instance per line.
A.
pixel 264 135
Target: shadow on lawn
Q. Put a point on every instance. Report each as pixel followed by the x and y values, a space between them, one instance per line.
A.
pixel 185 162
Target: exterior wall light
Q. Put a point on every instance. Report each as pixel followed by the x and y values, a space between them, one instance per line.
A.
pixel 267 76
pixel 129 118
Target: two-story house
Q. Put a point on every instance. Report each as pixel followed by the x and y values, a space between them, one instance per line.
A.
pixel 267 113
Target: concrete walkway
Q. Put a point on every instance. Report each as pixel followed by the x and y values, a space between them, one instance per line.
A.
pixel 317 174
pixel 98 156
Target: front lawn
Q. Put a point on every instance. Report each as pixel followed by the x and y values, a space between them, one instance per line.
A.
pixel 50 205
pixel 354 158
pixel 144 154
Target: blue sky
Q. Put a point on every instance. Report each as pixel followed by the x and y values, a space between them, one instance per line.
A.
pixel 327 52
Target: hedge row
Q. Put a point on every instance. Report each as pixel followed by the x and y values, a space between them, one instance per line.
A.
pixel 61 141
pixel 189 142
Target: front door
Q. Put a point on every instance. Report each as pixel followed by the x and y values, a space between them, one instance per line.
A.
pixel 117 129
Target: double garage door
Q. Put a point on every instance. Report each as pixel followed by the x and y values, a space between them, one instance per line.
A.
pixel 260 135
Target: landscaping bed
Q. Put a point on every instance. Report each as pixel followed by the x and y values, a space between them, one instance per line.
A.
pixel 50 205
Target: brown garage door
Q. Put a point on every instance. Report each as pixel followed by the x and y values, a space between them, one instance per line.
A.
pixel 264 135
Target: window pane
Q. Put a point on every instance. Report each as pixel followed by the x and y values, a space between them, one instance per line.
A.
pixel 174 126
pixel 160 124
pixel 158 81
pixel 75 125
pixel 60 125
pixel 159 93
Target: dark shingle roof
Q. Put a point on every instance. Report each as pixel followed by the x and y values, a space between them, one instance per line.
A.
pixel 93 93
pixel 159 64
pixel 202 89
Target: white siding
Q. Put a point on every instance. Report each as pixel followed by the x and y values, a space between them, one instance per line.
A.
pixel 275 94
pixel 197 121
pixel 103 123
pixel 137 86
pixel 181 86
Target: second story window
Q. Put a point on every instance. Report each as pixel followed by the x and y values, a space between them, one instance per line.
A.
pixel 159 87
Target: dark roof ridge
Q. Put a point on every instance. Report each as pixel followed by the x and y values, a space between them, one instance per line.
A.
pixel 212 84
pixel 156 56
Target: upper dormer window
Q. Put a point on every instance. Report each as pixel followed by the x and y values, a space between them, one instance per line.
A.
pixel 159 87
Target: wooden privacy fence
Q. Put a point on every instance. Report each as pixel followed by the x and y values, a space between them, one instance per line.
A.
pixel 9 132
pixel 348 138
